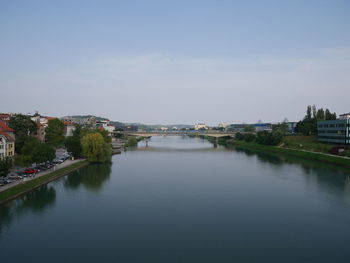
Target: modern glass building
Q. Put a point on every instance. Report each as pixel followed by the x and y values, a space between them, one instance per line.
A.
pixel 334 131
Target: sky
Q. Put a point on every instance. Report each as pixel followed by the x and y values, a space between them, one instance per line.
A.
pixel 168 62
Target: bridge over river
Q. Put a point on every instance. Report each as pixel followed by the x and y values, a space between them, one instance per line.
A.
pixel 147 134
pixel 215 134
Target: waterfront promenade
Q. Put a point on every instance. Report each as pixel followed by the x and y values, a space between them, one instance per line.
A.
pixel 40 174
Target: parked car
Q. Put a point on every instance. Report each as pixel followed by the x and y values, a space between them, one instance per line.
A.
pixel 20 173
pixel 31 171
pixel 57 161
pixel 6 181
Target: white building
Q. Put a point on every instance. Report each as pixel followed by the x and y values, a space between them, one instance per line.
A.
pixel 200 126
pixel 106 126
pixel 345 116
pixel 223 125
pixel 2 146
pixel 69 128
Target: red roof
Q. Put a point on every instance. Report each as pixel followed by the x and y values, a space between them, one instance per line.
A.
pixel 4 115
pixel 68 123
pixel 4 127
pixel 8 137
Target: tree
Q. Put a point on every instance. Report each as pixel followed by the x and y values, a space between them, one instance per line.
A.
pixel 262 137
pixel 239 136
pixel 314 111
pixel 249 137
pixel 320 115
pixel 23 127
pixel 269 138
pixel 95 149
pixel 281 127
pixel 5 166
pixel 42 153
pixel 329 115
pixel 35 151
pixel 249 129
pixel 54 132
pixel 105 135
pixel 73 146
pixel 308 113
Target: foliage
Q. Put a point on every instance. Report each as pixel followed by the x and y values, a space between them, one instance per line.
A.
pixel 42 153
pixel 262 137
pixel 23 160
pixel 281 127
pixel 308 125
pixel 239 136
pixel 35 151
pixel 105 135
pixel 72 143
pixel 249 129
pixel 23 127
pixel 95 149
pixel 270 138
pixel 249 137
pixel 5 166
pixel 132 141
pixel 55 132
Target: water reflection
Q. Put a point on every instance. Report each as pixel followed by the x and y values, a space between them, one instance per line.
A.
pixel 36 202
pixel 328 178
pixel 92 177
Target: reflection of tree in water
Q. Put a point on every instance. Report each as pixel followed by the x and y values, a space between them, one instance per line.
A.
pixel 92 177
pixel 36 201
pixel 329 177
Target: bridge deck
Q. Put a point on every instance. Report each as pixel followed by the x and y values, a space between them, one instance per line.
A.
pixel 176 133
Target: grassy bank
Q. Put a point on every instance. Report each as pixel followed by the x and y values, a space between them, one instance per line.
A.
pixel 335 160
pixel 28 186
pixel 309 143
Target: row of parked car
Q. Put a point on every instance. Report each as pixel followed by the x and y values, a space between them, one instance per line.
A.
pixel 32 171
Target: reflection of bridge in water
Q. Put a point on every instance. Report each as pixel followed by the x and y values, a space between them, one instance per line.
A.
pixel 168 149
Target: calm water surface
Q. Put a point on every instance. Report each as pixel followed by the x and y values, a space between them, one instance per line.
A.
pixel 181 200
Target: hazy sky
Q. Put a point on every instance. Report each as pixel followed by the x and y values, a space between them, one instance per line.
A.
pixel 175 61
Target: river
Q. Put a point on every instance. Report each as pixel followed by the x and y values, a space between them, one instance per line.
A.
pixel 182 200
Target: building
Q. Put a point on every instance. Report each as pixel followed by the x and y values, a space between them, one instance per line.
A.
pixel 334 131
pixel 105 124
pixel 292 127
pixel 7 141
pixel 5 117
pixel 85 121
pixel 200 126
pixel 69 128
pixel 345 116
pixel 40 132
pixel 223 125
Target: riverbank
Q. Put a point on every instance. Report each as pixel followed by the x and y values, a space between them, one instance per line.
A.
pixel 326 158
pixel 27 186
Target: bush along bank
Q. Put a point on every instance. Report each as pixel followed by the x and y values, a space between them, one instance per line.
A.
pixel 132 141
pixel 28 186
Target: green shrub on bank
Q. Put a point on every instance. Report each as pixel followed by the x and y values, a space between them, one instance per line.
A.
pixel 262 137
